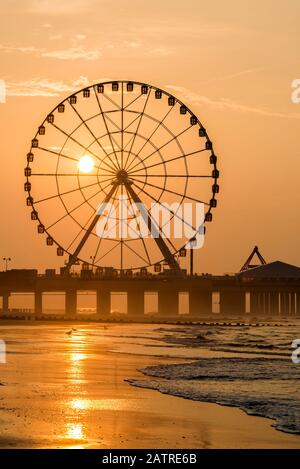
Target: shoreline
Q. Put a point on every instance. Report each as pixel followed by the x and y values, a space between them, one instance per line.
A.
pixel 219 321
pixel 143 385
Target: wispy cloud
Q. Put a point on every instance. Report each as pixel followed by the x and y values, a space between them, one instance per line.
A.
pixel 233 75
pixel 48 88
pixel 74 53
pixel 134 48
pixel 81 52
pixel 190 30
pixel 55 37
pixel 225 103
pixel 22 49
pixel 58 7
pixel 132 44
pixel 44 87
pixel 160 52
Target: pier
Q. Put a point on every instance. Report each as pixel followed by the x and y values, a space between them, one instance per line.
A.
pixel 272 291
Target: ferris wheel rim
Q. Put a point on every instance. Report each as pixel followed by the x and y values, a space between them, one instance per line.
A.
pixel 94 86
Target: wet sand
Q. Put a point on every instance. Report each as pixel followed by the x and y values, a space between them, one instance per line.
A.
pixel 63 391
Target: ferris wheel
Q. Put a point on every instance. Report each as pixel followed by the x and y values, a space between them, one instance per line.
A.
pixel 114 141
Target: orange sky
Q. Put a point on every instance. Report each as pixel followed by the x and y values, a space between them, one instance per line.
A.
pixel 231 62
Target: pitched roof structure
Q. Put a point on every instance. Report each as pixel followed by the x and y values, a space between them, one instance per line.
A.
pixel 275 269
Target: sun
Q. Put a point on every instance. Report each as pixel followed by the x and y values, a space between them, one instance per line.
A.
pixel 86 164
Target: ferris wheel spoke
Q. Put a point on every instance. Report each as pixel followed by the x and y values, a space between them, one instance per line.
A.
pixel 101 238
pixel 158 238
pixel 171 192
pixel 77 207
pixel 100 211
pixel 68 192
pixel 64 174
pixel 121 214
pixel 142 189
pixel 108 173
pixel 115 142
pixel 140 236
pixel 96 252
pixel 75 141
pixel 112 101
pixel 164 162
pixel 58 154
pixel 112 122
pixel 102 161
pixel 109 251
pixel 160 229
pixel 86 149
pixel 175 214
pixel 160 123
pixel 89 129
pixel 132 122
pixel 114 227
pixel 133 101
pixel 122 125
pixel 121 242
pixel 165 144
pixel 128 143
pixel 137 129
pixel 82 228
pixel 107 130
pixel 73 159
pixel 135 252
pixel 173 175
pixel 154 131
pixel 121 253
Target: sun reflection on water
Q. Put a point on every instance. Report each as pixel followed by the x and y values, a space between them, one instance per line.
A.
pixel 75 369
pixel 80 404
pixel 76 356
pixel 75 431
pixel 87 396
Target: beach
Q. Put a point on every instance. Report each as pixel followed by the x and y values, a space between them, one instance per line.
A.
pixel 65 385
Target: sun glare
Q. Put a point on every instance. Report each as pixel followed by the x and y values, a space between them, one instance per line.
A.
pixel 86 164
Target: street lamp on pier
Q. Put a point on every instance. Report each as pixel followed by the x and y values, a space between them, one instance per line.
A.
pixel 6 260
pixel 192 244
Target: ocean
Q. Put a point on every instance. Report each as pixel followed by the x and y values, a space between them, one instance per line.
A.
pixel 242 366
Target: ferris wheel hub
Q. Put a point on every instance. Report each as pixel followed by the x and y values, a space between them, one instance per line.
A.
pixel 122 176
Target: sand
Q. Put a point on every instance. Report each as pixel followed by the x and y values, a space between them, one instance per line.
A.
pixel 60 393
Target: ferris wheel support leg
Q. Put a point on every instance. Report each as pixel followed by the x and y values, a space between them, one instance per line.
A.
pixel 73 257
pixel 173 264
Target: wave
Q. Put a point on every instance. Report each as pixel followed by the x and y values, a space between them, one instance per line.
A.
pixel 259 386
